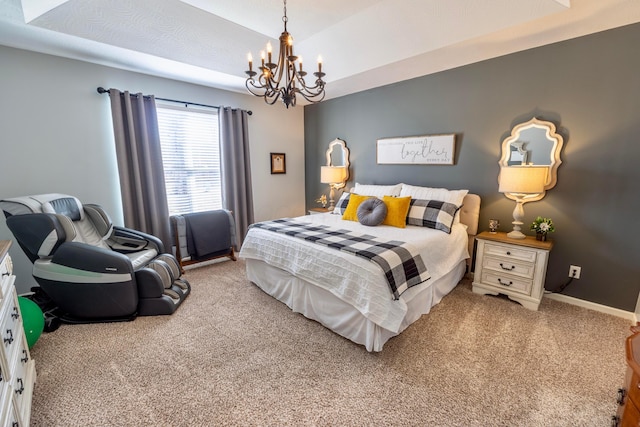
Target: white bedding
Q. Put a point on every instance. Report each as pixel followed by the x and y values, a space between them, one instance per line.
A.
pixel 357 281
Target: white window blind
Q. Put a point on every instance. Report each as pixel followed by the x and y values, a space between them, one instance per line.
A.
pixel 191 158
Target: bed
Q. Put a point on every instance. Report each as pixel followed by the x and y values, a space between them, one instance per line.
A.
pixel 349 294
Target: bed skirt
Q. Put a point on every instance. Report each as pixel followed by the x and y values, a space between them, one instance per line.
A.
pixel 322 306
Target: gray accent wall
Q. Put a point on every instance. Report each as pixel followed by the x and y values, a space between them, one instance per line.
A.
pixel 589 87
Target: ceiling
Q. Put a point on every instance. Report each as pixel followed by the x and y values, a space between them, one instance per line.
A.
pixel 363 43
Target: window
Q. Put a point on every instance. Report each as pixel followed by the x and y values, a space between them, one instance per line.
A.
pixel 191 158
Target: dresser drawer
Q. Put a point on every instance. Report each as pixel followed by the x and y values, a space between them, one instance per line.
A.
pixel 505 281
pixel 10 323
pixel 505 265
pixel 5 274
pixel 5 267
pixel 9 412
pixel 22 373
pixel 628 416
pixel 510 252
pixel 633 384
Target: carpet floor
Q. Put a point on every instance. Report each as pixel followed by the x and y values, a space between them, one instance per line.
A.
pixel 233 356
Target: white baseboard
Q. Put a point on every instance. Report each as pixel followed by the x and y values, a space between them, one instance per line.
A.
pixel 593 306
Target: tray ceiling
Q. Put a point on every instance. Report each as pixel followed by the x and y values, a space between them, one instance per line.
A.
pixel 364 43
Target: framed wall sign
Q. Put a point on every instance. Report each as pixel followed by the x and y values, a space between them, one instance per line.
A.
pixel 278 163
pixel 416 150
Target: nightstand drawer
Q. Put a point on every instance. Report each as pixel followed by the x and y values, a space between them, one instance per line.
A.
pixel 514 284
pixel 510 251
pixel 506 265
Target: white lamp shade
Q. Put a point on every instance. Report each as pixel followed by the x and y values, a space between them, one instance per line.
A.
pixel 332 174
pixel 523 179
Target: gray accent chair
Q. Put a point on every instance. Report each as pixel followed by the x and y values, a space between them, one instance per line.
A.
pixel 92 270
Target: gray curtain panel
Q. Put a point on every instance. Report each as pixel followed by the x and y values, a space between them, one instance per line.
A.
pixel 237 195
pixel 144 198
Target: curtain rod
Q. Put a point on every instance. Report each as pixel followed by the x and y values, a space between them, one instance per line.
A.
pixel 103 90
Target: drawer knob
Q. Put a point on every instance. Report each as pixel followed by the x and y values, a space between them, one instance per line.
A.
pixel 6 273
pixel 15 313
pixel 621 394
pixel 508 252
pixel 9 338
pixel 25 358
pixel 507 268
pixel 504 283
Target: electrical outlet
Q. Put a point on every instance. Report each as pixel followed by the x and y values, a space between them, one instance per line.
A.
pixel 574 271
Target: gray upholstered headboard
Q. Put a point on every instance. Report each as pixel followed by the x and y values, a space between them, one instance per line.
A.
pixel 470 213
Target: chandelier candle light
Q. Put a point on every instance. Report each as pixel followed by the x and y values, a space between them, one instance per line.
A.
pixel 282 79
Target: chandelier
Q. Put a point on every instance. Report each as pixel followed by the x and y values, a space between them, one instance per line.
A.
pixel 282 80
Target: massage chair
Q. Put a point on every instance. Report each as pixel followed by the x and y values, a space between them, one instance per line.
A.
pixel 92 270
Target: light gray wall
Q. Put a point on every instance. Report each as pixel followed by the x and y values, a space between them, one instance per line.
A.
pixel 589 87
pixel 56 135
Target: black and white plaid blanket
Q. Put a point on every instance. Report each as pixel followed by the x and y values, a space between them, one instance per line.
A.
pixel 402 265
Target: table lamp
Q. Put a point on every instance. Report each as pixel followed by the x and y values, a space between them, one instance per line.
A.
pixel 332 175
pixel 521 181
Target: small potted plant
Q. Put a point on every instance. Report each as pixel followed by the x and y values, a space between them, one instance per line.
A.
pixel 542 226
pixel 322 200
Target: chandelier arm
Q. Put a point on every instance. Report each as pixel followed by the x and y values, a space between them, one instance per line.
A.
pixel 309 93
pixel 270 96
pixel 266 82
pixel 312 97
pixel 319 84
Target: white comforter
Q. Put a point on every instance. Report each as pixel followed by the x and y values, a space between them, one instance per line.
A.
pixel 355 280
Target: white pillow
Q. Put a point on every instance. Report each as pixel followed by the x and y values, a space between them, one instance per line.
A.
pixel 428 193
pixel 378 191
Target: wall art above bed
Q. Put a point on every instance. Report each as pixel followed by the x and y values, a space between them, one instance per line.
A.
pixel 416 150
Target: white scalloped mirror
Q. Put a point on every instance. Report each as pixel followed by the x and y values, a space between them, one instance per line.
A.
pixel 338 155
pixel 533 143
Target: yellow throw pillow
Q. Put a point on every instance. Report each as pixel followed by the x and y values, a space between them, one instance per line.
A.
pixel 350 213
pixel 397 210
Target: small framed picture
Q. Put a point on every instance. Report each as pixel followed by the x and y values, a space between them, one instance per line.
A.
pixel 278 163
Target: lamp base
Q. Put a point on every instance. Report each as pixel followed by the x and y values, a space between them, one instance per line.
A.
pixel 516 234
pixel 332 195
pixel 518 215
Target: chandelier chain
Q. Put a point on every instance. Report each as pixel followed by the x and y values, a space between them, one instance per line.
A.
pixel 284 18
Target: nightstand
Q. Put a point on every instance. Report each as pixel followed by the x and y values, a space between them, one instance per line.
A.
pixel 515 268
pixel 315 211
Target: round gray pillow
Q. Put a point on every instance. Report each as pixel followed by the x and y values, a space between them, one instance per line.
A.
pixel 372 212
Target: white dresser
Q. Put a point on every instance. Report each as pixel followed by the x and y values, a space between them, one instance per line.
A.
pixel 516 268
pixel 17 369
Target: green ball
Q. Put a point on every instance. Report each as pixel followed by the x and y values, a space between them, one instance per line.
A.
pixel 32 320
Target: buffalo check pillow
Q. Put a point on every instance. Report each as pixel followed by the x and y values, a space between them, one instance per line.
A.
pixel 434 214
pixel 342 204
